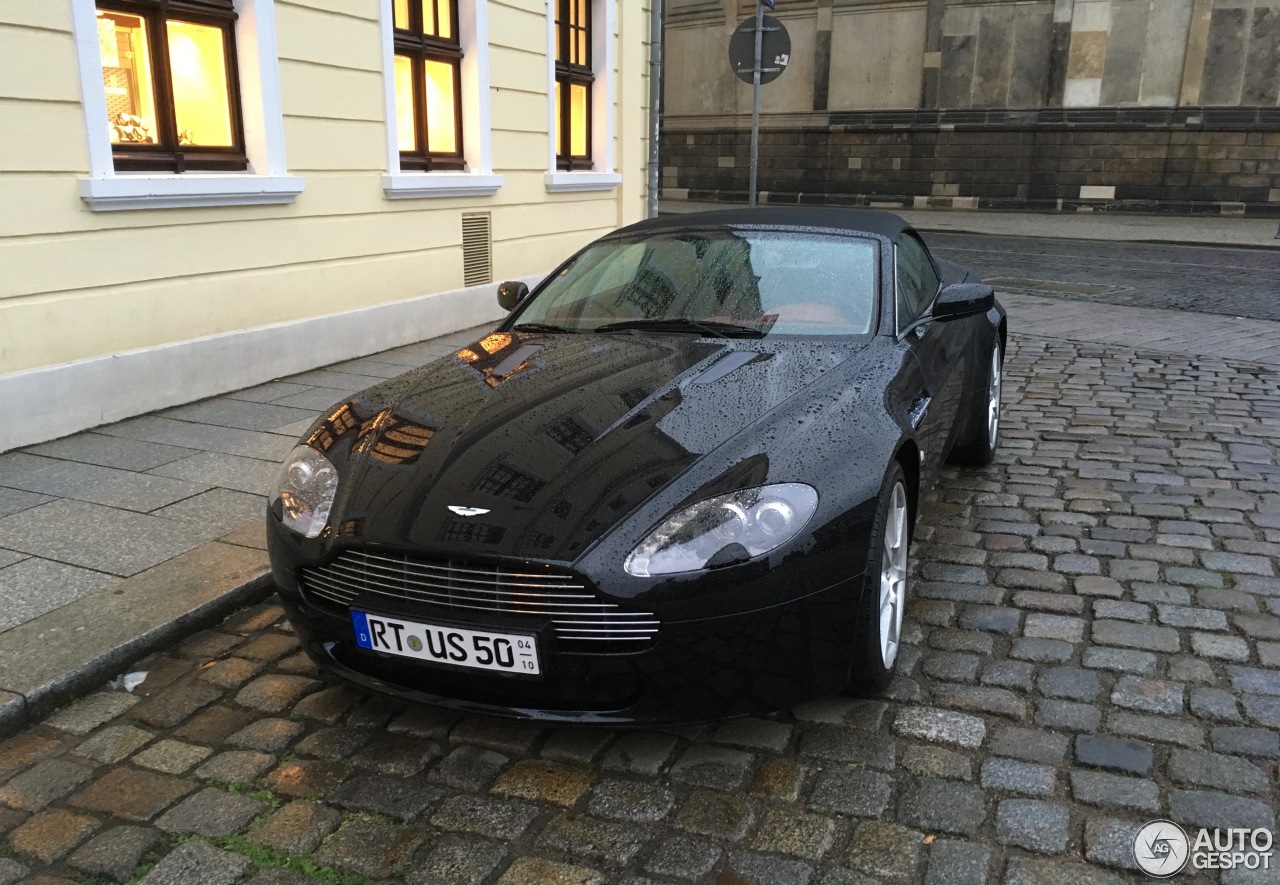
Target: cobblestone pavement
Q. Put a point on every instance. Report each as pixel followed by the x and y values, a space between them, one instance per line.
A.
pixel 1232 282
pixel 1094 642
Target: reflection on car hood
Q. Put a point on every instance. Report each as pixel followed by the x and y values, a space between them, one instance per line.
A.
pixel 555 437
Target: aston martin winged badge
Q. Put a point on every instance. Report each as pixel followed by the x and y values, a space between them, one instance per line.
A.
pixel 468 511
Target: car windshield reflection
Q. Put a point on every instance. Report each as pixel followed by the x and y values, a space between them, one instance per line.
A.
pixel 714 283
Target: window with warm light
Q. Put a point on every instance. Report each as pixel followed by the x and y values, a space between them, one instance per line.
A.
pixel 573 84
pixel 168 70
pixel 428 60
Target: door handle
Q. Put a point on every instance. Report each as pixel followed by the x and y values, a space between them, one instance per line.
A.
pixel 919 408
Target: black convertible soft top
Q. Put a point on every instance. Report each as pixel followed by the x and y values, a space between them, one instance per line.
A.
pixel 873 221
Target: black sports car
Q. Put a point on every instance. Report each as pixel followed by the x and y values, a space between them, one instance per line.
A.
pixel 677 483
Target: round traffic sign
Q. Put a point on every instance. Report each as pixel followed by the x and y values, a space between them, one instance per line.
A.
pixel 775 51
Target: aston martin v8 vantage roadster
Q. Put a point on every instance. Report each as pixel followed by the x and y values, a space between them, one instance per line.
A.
pixel 677 483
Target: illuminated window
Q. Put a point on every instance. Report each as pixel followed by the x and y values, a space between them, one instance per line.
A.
pixel 168 69
pixel 428 84
pixel 573 84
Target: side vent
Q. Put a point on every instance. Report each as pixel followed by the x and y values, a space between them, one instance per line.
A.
pixel 477 248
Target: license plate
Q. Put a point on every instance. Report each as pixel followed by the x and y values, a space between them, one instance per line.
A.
pixel 477 649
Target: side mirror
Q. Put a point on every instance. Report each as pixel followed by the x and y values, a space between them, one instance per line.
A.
pixel 511 294
pixel 962 300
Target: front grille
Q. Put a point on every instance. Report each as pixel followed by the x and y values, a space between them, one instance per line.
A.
pixel 575 612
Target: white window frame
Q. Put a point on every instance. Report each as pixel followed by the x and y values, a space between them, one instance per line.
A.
pixel 477 133
pixel 602 176
pixel 266 181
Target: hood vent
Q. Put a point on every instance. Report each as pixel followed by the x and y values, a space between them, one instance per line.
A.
pixel 731 363
pixel 477 248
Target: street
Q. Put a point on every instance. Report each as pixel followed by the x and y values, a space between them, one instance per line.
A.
pixel 1093 643
pixel 1200 279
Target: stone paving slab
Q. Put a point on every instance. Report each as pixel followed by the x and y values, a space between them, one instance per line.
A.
pixel 1089 645
pixel 315 399
pixel 225 412
pixel 91 483
pixel 110 451
pixel 34 586
pixel 216 470
pixel 271 391
pixel 374 367
pixel 412 355
pixel 117 542
pixel 202 437
pixel 14 501
pixel 219 510
pixel 344 382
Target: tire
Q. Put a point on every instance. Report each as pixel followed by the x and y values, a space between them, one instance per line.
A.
pixel 984 418
pixel 877 634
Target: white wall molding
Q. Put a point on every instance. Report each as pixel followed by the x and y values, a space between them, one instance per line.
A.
pixel 181 191
pixel 267 180
pixel 93 93
pixel 59 400
pixel 578 182
pixel 477 126
pixel 604 28
pixel 416 185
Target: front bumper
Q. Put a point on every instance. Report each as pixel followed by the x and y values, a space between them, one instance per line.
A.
pixel 695 670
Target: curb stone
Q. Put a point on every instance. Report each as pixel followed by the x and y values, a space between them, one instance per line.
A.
pixel 53 659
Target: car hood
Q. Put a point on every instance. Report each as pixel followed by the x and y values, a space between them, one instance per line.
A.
pixel 541 444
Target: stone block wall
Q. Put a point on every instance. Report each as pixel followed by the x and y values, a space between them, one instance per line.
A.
pixel 1147 105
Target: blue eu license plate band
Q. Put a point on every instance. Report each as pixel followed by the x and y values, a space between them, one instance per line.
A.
pixel 362 629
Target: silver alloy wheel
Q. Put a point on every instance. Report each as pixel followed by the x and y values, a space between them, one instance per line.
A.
pixel 893 575
pixel 993 397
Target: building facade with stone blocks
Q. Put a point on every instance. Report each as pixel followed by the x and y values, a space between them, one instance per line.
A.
pixel 1140 105
pixel 201 195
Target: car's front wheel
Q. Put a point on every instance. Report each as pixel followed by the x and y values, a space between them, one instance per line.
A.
pixel 878 636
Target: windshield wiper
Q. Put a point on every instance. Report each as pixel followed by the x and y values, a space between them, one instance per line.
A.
pixel 541 327
pixel 709 328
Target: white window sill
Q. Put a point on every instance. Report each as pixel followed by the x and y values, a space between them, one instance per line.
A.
pixel 188 190
pixel 577 182
pixel 420 185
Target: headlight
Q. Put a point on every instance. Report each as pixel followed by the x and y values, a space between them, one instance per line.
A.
pixel 305 488
pixel 723 530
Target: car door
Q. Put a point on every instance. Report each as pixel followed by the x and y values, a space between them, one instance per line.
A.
pixel 936 346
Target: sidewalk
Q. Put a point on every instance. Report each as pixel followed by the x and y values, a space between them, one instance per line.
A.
pixel 1253 233
pixel 118 540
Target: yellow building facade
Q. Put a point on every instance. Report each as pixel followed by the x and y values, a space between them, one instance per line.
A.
pixel 200 195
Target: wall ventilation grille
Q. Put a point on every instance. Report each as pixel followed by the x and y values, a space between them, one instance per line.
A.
pixel 477 248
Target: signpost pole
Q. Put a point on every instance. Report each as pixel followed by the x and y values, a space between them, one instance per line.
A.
pixel 755 110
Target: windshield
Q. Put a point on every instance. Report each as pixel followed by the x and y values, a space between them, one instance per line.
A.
pixel 715 282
